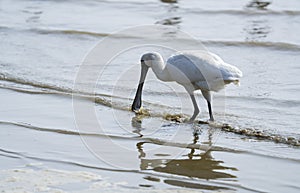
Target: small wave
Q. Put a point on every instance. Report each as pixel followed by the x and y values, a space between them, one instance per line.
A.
pixel 84 33
pixel 246 12
pixel 62 131
pixel 69 32
pixel 21 81
pixel 268 101
pixel 29 126
pixel 271 45
pixel 20 154
pixel 2 28
pixel 259 134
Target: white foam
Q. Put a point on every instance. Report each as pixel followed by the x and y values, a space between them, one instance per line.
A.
pixel 61 181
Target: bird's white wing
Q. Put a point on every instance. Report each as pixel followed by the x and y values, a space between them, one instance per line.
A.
pixel 196 66
pixel 183 70
pixel 201 67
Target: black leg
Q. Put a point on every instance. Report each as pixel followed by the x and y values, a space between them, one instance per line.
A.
pixel 211 117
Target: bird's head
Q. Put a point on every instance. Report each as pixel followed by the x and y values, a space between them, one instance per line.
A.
pixel 151 59
pixel 148 60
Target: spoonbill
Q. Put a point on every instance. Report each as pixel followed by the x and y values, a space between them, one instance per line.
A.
pixel 194 70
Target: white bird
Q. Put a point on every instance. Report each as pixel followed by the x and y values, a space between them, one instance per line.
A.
pixel 194 70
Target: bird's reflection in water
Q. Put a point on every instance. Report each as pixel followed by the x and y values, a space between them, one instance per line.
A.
pixel 201 165
pixel 136 123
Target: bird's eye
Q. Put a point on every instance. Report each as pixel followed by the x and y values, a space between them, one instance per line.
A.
pixel 142 60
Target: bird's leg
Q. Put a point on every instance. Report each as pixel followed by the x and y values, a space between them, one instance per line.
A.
pixel 207 95
pixel 211 117
pixel 196 109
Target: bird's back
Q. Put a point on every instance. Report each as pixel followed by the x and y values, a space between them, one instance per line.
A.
pixel 201 67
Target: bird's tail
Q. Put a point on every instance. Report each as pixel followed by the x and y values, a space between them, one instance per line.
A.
pixel 231 74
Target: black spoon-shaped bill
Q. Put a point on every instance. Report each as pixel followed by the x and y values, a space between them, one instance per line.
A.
pixel 137 103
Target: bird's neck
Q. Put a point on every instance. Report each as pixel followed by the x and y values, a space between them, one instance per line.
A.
pixel 160 71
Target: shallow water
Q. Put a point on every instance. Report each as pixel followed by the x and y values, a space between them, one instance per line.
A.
pixel 43 46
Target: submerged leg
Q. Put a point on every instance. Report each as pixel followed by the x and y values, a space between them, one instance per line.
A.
pixel 196 109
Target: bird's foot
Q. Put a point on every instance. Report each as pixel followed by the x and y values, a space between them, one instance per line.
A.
pixel 203 122
pixel 142 111
pixel 191 120
pixel 211 119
